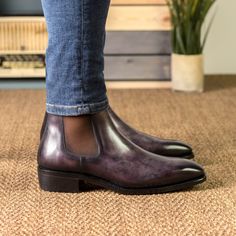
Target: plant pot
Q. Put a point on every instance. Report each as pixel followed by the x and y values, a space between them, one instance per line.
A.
pixel 187 73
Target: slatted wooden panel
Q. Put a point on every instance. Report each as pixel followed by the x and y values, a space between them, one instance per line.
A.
pixel 137 41
pixel 22 34
pixel 118 68
pixel 29 33
pixel 136 2
pixel 137 67
pixel 138 18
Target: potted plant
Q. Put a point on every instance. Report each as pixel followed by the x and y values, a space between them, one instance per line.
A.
pixel 187 18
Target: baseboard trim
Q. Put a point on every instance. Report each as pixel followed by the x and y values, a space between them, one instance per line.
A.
pixel 138 84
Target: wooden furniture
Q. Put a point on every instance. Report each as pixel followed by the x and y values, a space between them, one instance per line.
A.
pixel 137 43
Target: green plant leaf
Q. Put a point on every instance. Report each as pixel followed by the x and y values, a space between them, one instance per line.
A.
pixel 180 41
pixel 187 18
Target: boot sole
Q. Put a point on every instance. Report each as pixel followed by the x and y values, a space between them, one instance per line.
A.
pixel 191 156
pixel 59 181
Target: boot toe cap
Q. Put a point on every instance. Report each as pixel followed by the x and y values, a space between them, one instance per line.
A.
pixel 179 149
pixel 188 171
pixel 183 171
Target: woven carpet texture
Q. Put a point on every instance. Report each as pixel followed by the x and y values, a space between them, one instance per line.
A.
pixel 207 121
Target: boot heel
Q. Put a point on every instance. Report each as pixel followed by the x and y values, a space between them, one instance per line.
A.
pixel 55 181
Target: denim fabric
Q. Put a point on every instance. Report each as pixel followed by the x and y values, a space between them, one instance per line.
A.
pixel 74 57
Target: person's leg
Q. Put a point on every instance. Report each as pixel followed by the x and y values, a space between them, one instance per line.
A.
pixel 75 79
pixel 74 58
pixel 74 66
pixel 79 141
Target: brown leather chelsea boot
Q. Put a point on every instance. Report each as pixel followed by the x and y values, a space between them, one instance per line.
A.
pixel 165 147
pixel 119 165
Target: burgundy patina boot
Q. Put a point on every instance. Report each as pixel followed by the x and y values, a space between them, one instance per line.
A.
pixel 165 147
pixel 118 165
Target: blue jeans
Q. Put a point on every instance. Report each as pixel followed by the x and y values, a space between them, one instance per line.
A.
pixel 75 56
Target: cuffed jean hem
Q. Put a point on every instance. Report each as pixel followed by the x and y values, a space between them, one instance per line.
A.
pixel 76 110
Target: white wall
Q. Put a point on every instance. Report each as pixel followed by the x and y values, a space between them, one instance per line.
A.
pixel 220 50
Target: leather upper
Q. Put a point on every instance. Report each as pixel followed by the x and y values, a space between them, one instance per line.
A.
pixel 118 161
pixel 166 147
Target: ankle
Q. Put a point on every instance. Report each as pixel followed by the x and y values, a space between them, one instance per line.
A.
pixel 79 135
